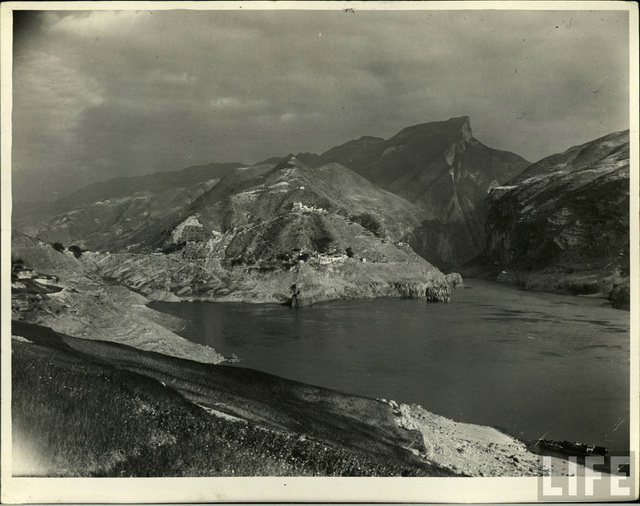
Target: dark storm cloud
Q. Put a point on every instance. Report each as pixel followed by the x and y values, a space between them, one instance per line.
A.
pixel 25 25
pixel 98 94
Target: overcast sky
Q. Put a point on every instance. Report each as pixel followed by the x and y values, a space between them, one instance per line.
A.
pixel 105 93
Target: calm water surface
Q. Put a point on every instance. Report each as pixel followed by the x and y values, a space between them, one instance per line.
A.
pixel 528 363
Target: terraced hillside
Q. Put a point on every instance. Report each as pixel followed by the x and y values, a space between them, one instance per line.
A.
pixel 262 229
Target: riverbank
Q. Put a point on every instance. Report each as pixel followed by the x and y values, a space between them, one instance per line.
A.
pixel 95 408
pixel 60 291
pixel 171 278
pixel 562 280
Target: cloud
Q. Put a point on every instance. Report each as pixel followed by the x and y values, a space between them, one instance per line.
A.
pixel 44 82
pixel 96 23
pixel 49 102
pixel 161 90
pixel 163 77
pixel 238 104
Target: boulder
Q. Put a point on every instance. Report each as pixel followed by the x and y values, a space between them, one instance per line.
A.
pixel 438 293
pixel 453 279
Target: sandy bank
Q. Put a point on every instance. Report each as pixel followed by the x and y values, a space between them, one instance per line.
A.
pixel 473 450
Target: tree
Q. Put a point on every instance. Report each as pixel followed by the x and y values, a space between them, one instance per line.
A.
pixel 76 250
pixel 350 252
pixel 369 222
pixel 172 248
pixel 58 246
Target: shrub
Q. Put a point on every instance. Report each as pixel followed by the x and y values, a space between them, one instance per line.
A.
pixel 350 252
pixel 17 265
pixel 58 246
pixel 323 244
pixel 287 259
pixel 236 261
pixel 369 222
pixel 172 248
pixel 76 250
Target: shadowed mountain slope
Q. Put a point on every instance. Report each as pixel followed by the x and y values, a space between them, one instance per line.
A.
pixel 563 224
pixel 154 183
pixel 29 213
pixel 111 223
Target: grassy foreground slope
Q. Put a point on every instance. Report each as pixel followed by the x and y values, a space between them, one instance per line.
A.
pixel 95 408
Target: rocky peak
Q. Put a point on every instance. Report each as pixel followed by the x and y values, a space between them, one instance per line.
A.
pixel 453 129
pixel 460 129
pixel 465 128
pixel 291 162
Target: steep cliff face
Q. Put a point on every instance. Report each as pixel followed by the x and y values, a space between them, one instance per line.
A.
pixel 443 169
pixel 262 229
pixel 563 224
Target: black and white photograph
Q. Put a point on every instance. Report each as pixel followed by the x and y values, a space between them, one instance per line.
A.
pixel 302 245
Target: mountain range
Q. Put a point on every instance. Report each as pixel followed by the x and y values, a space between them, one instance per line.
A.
pixel 439 167
pixel 363 208
pixel 28 215
pixel 370 218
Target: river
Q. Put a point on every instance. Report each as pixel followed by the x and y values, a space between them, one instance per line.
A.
pixel 531 364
